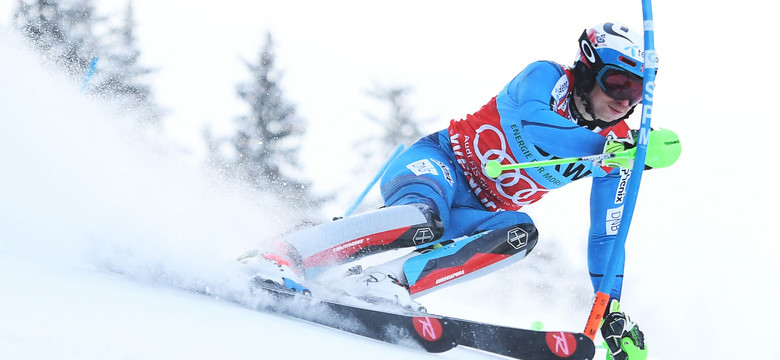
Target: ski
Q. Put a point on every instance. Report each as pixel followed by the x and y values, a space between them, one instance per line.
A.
pixel 524 343
pixel 431 332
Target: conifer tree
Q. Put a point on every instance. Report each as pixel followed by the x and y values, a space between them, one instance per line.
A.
pixel 396 125
pixel 62 32
pixel 40 22
pixel 268 138
pixel 119 75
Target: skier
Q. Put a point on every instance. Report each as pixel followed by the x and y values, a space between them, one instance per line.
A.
pixel 462 222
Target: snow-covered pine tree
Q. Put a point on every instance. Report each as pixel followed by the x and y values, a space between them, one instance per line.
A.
pixel 268 138
pixel 61 30
pixel 67 33
pixel 395 124
pixel 40 22
pixel 119 74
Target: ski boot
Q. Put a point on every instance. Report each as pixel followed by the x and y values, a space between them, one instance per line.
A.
pixel 622 336
pixel 379 285
pixel 272 270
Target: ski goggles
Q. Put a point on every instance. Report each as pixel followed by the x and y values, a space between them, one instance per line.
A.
pixel 620 84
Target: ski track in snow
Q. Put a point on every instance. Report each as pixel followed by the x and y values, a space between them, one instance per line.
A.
pixel 104 232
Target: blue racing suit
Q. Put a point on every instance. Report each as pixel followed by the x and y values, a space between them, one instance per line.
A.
pixel 529 120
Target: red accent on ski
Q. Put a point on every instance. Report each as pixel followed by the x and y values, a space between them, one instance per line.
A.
pixel 347 249
pixel 441 276
pixel 561 344
pixel 428 328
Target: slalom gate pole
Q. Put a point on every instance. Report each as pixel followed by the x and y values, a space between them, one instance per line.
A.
pixel 368 188
pixel 617 255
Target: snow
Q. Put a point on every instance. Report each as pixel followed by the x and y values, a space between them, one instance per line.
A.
pixel 104 228
pixel 101 239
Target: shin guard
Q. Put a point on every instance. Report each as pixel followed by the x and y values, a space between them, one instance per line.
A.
pixel 468 258
pixel 356 236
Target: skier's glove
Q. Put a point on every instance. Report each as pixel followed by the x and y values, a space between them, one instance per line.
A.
pixel 622 336
pixel 663 150
pixel 617 146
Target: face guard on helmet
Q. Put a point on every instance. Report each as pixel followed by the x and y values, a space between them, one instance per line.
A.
pixel 612 57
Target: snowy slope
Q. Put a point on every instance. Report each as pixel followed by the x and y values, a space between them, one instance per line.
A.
pixel 99 237
pixel 102 230
pixel 67 312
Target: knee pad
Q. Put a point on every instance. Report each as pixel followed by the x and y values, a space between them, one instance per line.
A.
pixel 405 190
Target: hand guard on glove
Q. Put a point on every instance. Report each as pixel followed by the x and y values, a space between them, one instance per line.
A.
pixel 616 146
pixel 663 150
pixel 622 336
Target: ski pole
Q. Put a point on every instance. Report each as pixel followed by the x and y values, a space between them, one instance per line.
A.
pixel 90 72
pixel 617 255
pixel 360 198
pixel 493 168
